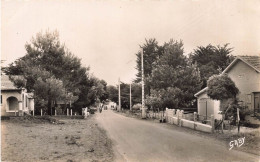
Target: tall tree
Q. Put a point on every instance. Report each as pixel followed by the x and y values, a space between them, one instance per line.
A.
pixel 175 78
pixel 211 60
pixel 45 55
pixel 112 93
pixel 151 53
pixel 98 91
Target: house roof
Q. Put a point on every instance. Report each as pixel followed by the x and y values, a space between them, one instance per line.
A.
pixel 7 84
pixel 252 61
pixel 201 91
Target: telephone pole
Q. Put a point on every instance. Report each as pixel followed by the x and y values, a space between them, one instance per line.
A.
pixel 119 99
pixel 142 60
pixel 130 98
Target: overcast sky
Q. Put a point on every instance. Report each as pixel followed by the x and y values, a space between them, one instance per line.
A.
pixel 107 35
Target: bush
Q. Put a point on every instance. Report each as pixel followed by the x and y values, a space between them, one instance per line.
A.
pixel 137 106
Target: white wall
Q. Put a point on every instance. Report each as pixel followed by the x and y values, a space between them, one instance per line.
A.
pixel 247 81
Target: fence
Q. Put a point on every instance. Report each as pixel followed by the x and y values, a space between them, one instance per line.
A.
pixel 190 120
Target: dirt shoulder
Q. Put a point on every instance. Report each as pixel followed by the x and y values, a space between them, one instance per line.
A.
pixel 251 144
pixel 54 140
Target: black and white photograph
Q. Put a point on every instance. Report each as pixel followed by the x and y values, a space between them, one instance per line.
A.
pixel 130 80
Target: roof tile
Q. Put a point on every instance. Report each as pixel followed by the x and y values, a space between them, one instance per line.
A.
pixel 6 83
pixel 252 60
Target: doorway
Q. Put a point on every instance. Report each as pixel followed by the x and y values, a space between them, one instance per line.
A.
pixel 12 103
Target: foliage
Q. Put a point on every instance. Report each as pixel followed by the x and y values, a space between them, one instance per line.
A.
pixel 98 91
pixel 175 78
pixel 137 106
pixel 125 94
pixel 54 73
pixel 211 60
pixel 112 93
pixel 136 93
pixel 154 100
pixel 221 87
pixel 151 53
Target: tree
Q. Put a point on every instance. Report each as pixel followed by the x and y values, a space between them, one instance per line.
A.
pixel 125 94
pixel 47 58
pixel 221 87
pixel 151 53
pixel 174 75
pixel 112 93
pixel 154 101
pixel 211 60
pixel 98 91
pixel 136 93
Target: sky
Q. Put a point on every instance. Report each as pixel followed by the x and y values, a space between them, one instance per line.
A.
pixel 107 35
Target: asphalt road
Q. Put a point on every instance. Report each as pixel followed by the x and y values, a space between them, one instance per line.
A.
pixel 138 140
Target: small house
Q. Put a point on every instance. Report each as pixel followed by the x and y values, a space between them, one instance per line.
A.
pixel 245 73
pixel 14 100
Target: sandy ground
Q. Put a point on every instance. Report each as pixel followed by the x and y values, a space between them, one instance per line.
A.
pixel 75 140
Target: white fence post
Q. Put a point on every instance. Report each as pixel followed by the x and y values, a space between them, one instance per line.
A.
pixel 71 112
pixel 166 114
pixel 212 123
pixel 55 113
pixel 67 112
pixel 181 117
pixel 41 112
pixel 178 116
pixel 195 116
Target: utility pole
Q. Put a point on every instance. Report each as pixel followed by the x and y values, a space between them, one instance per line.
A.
pixel 119 99
pixel 142 60
pixel 130 98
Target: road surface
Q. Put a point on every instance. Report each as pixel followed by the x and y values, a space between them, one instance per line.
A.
pixel 139 140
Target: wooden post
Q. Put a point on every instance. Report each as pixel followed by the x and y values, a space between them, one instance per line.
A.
pixel 195 116
pixel 222 125
pixel 238 121
pixel 178 116
pixel 130 98
pixel 71 112
pixel 20 112
pixel 55 112
pixel 67 112
pixel 41 112
pixel 212 123
pixel 142 82
pixel 119 96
